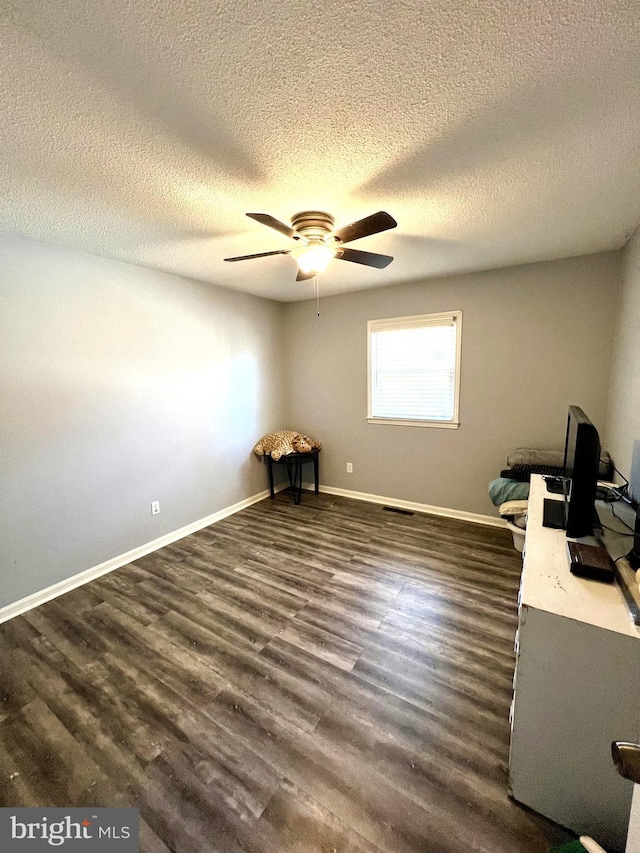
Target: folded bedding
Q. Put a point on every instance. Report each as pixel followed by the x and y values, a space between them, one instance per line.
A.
pixel 525 461
pixel 503 489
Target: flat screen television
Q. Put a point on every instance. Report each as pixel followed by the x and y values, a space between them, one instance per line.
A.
pixel 576 513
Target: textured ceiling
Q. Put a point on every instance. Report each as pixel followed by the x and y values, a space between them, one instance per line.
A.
pixel 495 131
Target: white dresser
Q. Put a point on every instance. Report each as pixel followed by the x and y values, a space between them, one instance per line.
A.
pixel 576 689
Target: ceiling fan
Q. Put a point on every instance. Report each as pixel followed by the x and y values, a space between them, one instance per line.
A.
pixel 319 242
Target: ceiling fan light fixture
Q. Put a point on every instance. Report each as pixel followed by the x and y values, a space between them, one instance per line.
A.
pixel 314 258
pixel 319 243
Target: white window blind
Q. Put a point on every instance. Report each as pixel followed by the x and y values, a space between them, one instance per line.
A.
pixel 414 369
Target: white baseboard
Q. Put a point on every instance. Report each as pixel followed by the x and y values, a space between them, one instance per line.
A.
pixel 44 595
pixel 38 598
pixel 445 512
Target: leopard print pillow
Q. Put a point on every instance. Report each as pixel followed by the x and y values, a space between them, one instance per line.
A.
pixel 283 442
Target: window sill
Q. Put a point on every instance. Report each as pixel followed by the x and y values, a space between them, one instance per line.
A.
pixel 436 424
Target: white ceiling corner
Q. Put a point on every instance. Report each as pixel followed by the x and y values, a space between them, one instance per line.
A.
pixel 495 132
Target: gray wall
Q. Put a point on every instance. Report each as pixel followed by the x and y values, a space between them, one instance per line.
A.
pixel 623 426
pixel 536 338
pixel 121 386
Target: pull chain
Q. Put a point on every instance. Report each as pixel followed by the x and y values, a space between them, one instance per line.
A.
pixel 316 288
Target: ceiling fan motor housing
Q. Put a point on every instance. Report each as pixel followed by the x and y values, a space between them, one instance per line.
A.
pixel 313 224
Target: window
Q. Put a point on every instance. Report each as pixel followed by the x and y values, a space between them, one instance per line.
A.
pixel 414 370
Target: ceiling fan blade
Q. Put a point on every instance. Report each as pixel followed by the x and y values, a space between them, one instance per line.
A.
pixel 272 222
pixel 259 255
pixel 303 276
pixel 373 224
pixel 368 259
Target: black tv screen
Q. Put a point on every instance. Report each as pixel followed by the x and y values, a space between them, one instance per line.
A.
pixel 581 465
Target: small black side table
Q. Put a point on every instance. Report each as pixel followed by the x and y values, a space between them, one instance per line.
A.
pixel 294 462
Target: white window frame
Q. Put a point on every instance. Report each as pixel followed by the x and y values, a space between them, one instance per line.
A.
pixel 410 322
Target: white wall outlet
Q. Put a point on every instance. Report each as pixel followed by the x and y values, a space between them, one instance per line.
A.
pixel 349 467
pixel 155 507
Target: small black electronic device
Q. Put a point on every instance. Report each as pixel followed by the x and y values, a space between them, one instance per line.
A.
pixel 591 561
pixel 606 494
pixel 554 514
pixel 557 485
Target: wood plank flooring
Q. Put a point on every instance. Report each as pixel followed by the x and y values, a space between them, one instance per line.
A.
pixel 321 678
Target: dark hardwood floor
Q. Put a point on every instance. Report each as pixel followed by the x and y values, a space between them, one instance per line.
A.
pixel 328 677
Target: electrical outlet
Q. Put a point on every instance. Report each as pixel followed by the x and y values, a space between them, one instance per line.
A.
pixel 155 507
pixel 349 467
